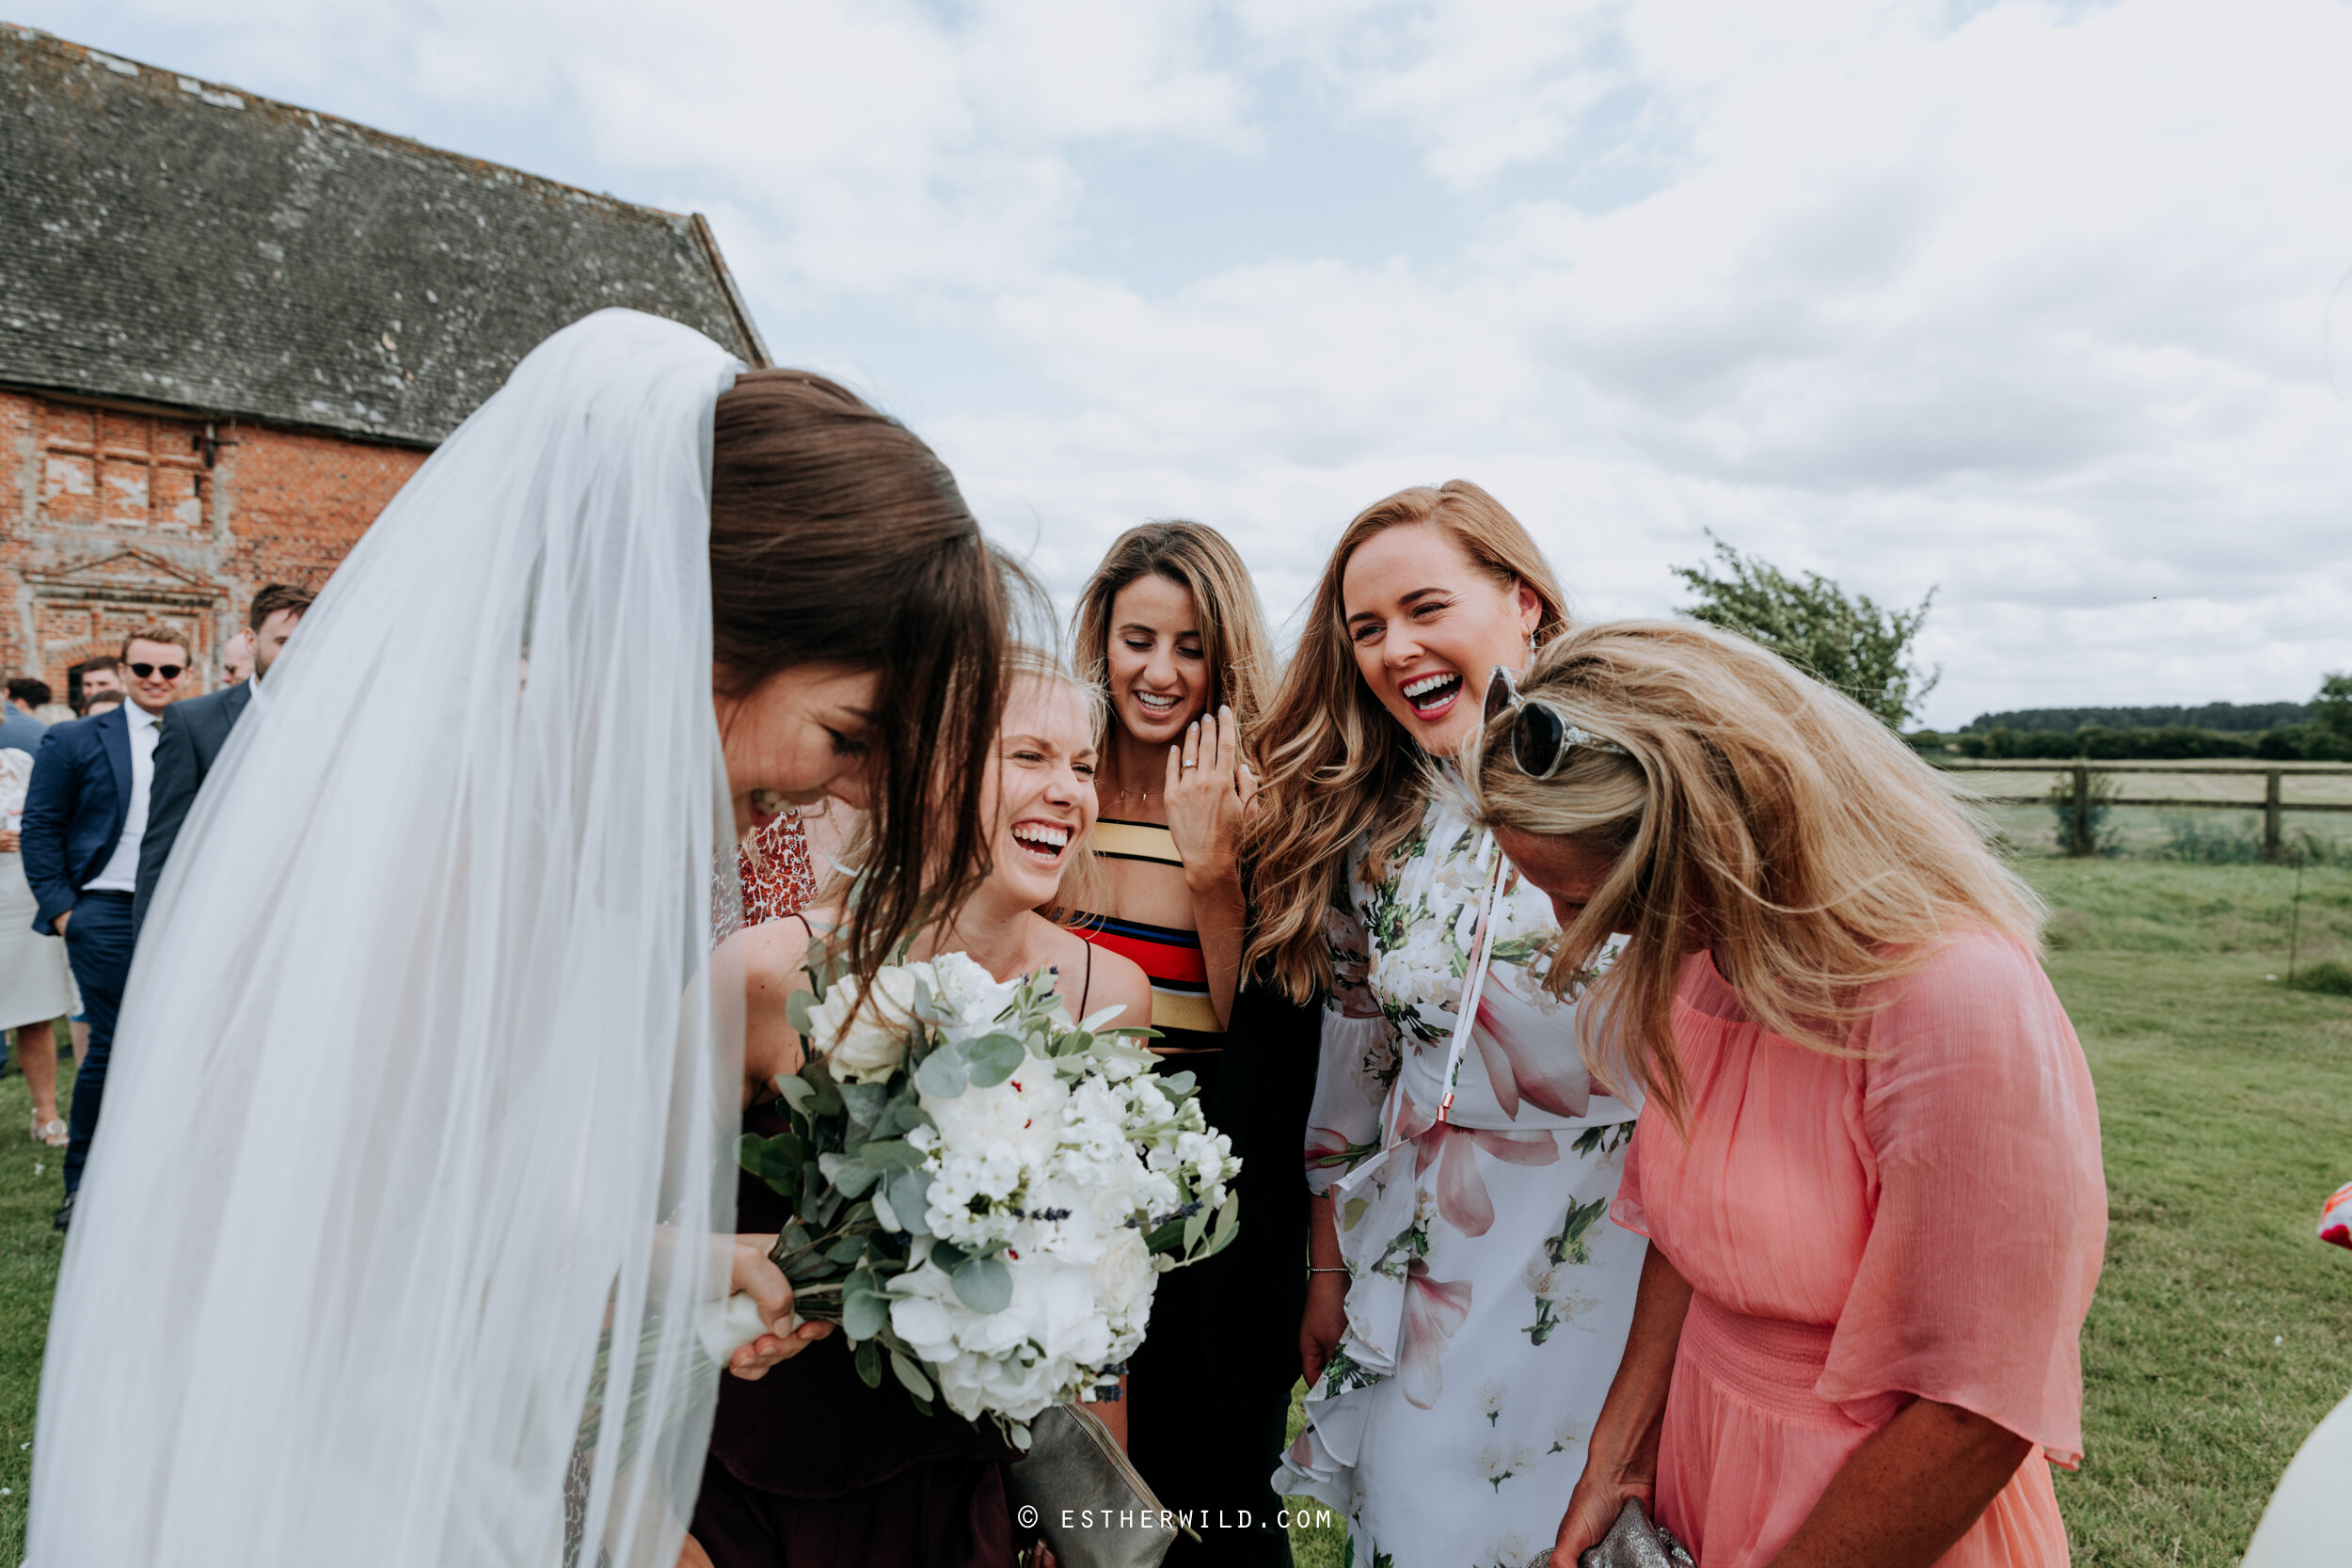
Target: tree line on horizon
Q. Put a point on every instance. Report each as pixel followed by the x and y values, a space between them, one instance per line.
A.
pixel 1850 642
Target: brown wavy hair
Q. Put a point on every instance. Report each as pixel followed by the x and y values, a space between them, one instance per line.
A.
pixel 1750 810
pixel 837 537
pixel 1337 764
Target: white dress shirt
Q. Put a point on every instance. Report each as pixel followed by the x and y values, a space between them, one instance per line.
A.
pixel 120 874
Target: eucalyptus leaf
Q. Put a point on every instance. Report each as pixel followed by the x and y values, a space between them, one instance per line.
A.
pixel 870 1364
pixel 795 1008
pixel 865 1102
pixel 911 1196
pixel 983 1284
pixel 994 1058
pixel 825 1099
pixel 847 1250
pixel 864 1314
pixel 883 1211
pixel 890 1155
pixel 1178 1085
pixel 911 1373
pixel 850 1177
pixel 947 1255
pixel 941 1075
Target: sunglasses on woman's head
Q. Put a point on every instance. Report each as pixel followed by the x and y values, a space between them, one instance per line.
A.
pixel 1540 738
pixel 170 672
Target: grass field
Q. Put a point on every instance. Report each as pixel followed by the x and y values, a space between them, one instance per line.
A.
pixel 2222 1330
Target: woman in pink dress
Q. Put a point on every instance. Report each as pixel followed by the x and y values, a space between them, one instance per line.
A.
pixel 1869 1164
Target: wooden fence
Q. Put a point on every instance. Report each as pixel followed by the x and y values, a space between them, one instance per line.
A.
pixel 2272 805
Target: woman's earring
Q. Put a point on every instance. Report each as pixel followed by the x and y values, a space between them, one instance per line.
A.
pixel 1531 646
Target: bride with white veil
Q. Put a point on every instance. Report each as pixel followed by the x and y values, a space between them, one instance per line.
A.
pixel 418 1154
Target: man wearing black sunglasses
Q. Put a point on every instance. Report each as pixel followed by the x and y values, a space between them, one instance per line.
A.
pixel 195 731
pixel 84 813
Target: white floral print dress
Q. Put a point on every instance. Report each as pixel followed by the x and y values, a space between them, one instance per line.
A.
pixel 1488 1292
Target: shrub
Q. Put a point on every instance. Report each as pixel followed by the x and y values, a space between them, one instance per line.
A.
pixel 2331 978
pixel 2103 793
pixel 2306 847
pixel 2204 839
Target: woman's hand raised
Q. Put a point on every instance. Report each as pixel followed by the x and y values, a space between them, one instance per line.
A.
pixel 756 1275
pixel 1209 791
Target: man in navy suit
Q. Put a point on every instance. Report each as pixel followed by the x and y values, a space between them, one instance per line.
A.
pixel 195 731
pixel 84 814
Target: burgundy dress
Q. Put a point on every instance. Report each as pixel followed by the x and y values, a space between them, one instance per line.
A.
pixel 809 1468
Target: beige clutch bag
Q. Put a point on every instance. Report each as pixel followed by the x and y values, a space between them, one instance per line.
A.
pixel 1076 1488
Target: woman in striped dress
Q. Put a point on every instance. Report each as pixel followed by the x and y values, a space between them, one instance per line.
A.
pixel 1170 627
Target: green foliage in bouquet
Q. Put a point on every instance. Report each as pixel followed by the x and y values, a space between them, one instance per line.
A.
pixel 864 1148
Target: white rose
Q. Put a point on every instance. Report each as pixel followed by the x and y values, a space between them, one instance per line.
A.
pixel 865 1045
pixel 1125 1280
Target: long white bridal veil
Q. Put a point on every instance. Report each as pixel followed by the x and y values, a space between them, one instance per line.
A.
pixel 415 1154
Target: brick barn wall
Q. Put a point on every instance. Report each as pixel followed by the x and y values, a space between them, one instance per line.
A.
pixel 109 519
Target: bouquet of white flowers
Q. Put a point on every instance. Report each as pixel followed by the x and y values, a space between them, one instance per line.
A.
pixel 985 1193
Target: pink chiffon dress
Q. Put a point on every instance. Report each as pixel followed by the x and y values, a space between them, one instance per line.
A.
pixel 1926 1219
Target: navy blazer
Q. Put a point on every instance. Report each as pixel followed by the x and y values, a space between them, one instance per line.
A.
pixel 193 734
pixel 75 809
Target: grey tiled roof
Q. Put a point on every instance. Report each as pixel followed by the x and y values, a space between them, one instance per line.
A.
pixel 169 241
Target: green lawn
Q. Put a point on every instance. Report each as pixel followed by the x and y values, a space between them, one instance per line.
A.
pixel 2222 1331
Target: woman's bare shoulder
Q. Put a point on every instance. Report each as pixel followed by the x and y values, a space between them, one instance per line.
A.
pixel 1113 979
pixel 776 951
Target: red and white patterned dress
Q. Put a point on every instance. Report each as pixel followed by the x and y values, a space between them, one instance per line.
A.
pixel 778 879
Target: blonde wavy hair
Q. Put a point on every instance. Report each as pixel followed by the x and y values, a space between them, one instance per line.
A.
pixel 1751 811
pixel 1200 561
pixel 1336 764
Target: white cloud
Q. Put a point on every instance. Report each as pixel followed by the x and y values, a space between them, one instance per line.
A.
pixel 2028 301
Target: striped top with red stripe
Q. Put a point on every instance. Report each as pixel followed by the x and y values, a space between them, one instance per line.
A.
pixel 1180 1008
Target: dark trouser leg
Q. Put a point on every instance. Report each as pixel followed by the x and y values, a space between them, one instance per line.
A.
pixel 935 1513
pixel 98 940
pixel 1206 1423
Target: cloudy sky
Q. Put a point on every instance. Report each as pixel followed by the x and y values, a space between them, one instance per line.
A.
pixel 2047 306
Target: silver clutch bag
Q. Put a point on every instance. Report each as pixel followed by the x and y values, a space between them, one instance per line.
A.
pixel 1633 1541
pixel 1076 1488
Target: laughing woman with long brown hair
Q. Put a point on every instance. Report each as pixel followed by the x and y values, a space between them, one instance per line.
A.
pixel 1171 632
pixel 1468 1295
